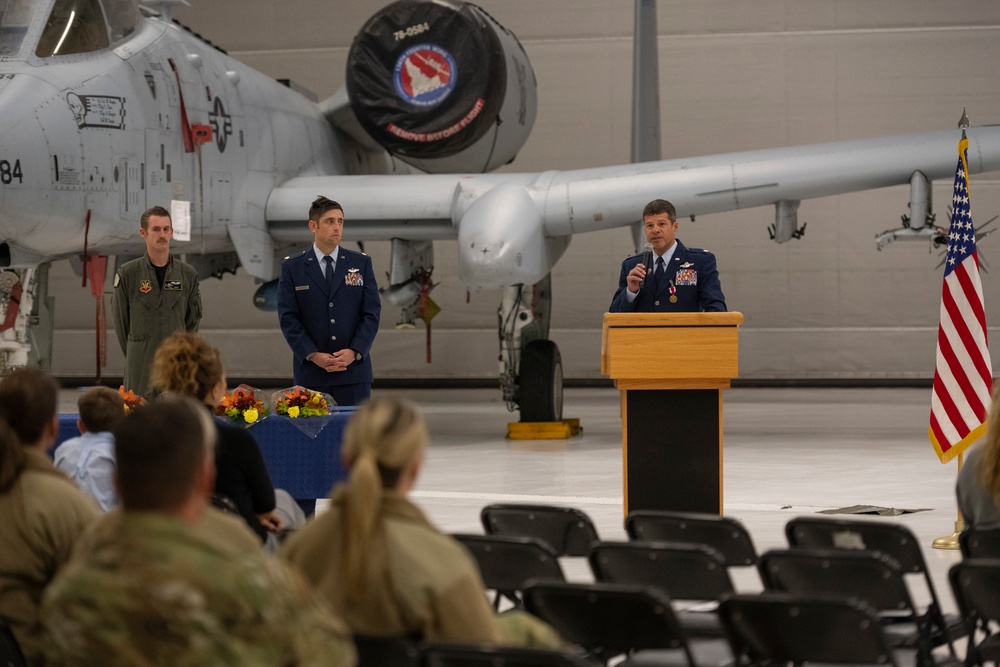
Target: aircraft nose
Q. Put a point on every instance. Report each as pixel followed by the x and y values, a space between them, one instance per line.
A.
pixel 26 104
pixel 502 241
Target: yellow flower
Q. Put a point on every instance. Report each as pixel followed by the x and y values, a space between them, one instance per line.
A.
pixel 250 415
pixel 293 411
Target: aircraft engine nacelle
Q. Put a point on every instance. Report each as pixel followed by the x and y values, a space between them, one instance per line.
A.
pixel 441 85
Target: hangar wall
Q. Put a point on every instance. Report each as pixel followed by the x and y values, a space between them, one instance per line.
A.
pixel 733 76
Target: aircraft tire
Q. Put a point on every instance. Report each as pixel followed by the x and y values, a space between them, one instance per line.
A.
pixel 541 384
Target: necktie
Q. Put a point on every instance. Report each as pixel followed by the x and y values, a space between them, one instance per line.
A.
pixel 658 273
pixel 329 271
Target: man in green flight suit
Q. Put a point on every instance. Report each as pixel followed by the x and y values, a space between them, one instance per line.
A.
pixel 155 296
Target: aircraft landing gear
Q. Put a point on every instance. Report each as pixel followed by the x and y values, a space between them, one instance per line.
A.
pixel 530 364
pixel 541 394
pixel 25 318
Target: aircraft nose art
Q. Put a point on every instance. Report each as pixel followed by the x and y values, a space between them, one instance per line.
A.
pixel 27 105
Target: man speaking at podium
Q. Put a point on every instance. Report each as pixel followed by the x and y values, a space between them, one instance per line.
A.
pixel 683 280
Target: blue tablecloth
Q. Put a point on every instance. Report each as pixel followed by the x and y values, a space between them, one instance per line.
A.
pixel 305 466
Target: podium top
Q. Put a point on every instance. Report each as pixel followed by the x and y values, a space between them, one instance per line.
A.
pixel 728 319
pixel 670 350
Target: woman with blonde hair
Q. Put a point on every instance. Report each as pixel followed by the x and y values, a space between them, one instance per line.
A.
pixel 375 556
pixel 978 486
pixel 186 364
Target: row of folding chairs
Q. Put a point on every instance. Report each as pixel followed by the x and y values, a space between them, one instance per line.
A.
pixel 403 652
pixel 687 557
pixel 634 626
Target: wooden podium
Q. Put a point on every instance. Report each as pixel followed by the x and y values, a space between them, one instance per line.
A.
pixel 671 369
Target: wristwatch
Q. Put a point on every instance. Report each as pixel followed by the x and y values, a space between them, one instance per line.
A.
pixel 357 356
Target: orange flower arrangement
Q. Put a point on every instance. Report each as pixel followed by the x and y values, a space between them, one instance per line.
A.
pixel 130 398
pixel 243 405
pixel 301 402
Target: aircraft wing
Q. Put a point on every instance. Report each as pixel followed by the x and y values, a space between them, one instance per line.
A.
pixel 511 228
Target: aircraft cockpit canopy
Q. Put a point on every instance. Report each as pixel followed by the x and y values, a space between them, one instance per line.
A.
pixel 70 26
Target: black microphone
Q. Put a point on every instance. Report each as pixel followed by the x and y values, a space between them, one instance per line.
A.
pixel 647 261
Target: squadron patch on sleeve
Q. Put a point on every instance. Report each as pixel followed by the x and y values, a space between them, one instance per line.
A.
pixel 118 278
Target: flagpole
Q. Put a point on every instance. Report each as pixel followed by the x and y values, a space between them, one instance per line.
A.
pixel 951 541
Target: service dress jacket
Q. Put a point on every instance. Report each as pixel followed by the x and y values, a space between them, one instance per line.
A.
pixel 693 276
pixel 315 318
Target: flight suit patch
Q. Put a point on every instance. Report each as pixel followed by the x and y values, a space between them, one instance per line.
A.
pixel 354 278
pixel 145 287
pixel 686 277
pixel 118 278
pixel 172 285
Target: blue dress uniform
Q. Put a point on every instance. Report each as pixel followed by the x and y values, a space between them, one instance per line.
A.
pixel 318 318
pixel 691 277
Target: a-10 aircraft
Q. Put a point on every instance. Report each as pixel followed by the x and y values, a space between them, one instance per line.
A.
pixel 107 108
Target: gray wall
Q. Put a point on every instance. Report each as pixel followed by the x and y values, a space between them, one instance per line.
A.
pixel 733 76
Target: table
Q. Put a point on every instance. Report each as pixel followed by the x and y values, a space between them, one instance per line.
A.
pixel 306 466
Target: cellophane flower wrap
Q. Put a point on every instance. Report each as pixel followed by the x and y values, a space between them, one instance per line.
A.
pixel 244 406
pixel 130 398
pixel 298 402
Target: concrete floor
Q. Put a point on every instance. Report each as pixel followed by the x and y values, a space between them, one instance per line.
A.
pixel 787 452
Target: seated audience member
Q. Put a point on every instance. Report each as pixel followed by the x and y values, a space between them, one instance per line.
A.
pixel 89 459
pixel 186 364
pixel 42 512
pixel 376 557
pixel 152 592
pixel 978 486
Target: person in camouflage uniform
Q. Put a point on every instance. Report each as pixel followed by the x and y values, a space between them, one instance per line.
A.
pixel 380 562
pixel 151 590
pixel 42 512
pixel 155 295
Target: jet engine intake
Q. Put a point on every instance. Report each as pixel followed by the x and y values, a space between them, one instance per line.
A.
pixel 441 85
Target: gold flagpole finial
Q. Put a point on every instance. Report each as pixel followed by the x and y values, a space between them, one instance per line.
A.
pixel 963 122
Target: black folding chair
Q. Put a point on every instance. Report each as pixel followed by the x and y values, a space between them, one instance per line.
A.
pixel 863 575
pixel 976 584
pixel 570 532
pixel 979 543
pixel 608 620
pixel 458 655
pixel 726 535
pixel 686 572
pixel 10 652
pixel 384 651
pixel 770 628
pixel 508 563
pixel 893 540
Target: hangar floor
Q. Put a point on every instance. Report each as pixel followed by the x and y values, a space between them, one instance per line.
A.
pixel 787 452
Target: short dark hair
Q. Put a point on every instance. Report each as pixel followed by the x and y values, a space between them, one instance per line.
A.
pixel 321 205
pixel 28 398
pixel 101 409
pixel 158 211
pixel 159 450
pixel 658 207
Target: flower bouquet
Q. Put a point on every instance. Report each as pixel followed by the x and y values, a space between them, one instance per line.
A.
pixel 298 402
pixel 243 405
pixel 301 404
pixel 130 398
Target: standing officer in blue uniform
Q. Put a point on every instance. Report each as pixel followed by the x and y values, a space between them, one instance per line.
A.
pixel 683 280
pixel 328 309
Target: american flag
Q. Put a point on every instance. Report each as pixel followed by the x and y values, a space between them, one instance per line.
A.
pixel 963 373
